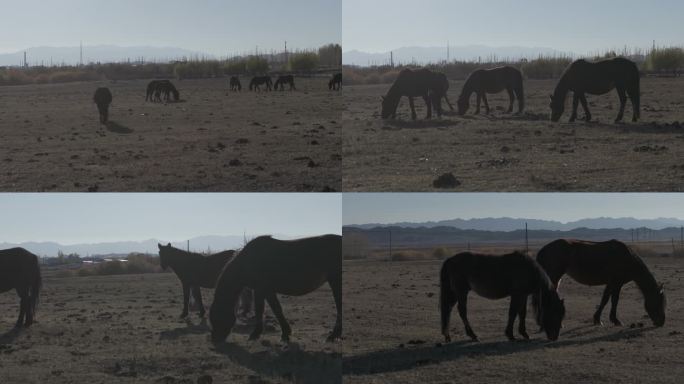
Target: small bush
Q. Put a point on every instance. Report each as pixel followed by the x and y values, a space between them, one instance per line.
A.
pixel 666 59
pixel 440 253
pixel 235 67
pixel 407 255
pixel 304 62
pixel 256 65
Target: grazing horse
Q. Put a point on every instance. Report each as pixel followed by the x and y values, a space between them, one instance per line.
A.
pixel 484 81
pixel 235 84
pixel 598 78
pixel 270 266
pixel 19 270
pixel 151 88
pixel 495 277
pixel 158 87
pixel 282 80
pixel 413 83
pixel 257 81
pixel 610 263
pixel 441 92
pixel 194 271
pixel 103 97
pixel 335 83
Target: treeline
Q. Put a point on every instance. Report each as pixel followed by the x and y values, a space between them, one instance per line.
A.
pixel 326 59
pixel 665 61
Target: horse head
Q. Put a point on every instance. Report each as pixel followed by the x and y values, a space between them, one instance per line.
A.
pixel 557 107
pixel 552 313
pixel 163 254
pixel 655 306
pixel 389 107
pixel 463 105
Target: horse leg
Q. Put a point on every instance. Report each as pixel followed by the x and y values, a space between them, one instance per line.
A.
pixel 336 287
pixel 587 114
pixel 614 298
pixel 451 107
pixel 599 309
pixel 486 103
pixel 513 310
pixel 278 312
pixel 623 100
pixel 479 100
pixel 259 315
pixel 413 108
pixel 197 294
pixel 634 97
pixel 186 300
pixel 428 105
pixel 575 104
pixel 463 312
pixel 522 314
pixel 511 98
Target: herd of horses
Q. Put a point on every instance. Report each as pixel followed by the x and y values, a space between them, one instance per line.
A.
pixel 580 78
pixel 165 91
pixel 264 268
pixel 610 263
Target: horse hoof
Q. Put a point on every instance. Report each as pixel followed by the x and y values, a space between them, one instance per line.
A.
pixel 254 337
pixel 525 335
pixel 616 322
pixel 598 322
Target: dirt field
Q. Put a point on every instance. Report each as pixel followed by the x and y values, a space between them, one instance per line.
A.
pixel 393 333
pixel 213 140
pixel 125 329
pixel 501 152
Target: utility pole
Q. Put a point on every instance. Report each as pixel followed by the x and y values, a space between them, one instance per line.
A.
pixel 527 247
pixel 188 246
pixel 448 53
pixel 81 55
pixel 391 59
pixel 25 62
pixel 390 245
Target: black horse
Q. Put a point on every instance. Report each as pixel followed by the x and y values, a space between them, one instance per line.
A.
pixel 157 88
pixel 335 83
pixel 495 277
pixel 282 80
pixel 194 271
pixel 271 266
pixel 598 78
pixel 258 81
pixel 413 83
pixel 484 81
pixel 610 263
pixel 235 84
pixel 19 269
pixel 103 97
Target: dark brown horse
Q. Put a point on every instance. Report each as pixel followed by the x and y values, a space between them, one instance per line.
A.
pixel 484 81
pixel 19 270
pixel 495 277
pixel 609 263
pixel 415 83
pixel 194 270
pixel 335 83
pixel 599 78
pixel 282 80
pixel 103 97
pixel 235 84
pixel 257 81
pixel 271 266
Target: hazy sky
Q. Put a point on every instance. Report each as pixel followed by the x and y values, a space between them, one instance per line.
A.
pixel 211 26
pixel 366 208
pixel 90 218
pixel 580 26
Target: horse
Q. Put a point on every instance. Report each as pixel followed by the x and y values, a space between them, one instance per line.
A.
pixel 19 269
pixel 597 78
pixel 270 267
pixel 194 271
pixel 610 263
pixel 235 84
pixel 282 80
pixel 257 81
pixel 335 83
pixel 495 277
pixel 441 91
pixel 151 88
pixel 167 88
pixel 412 83
pixel 484 81
pixel 103 97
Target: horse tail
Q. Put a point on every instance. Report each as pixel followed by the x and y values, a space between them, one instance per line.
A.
pixel 536 306
pixel 36 284
pixel 447 298
pixel 637 95
pixel 521 93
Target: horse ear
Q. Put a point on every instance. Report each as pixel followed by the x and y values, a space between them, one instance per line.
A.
pixel 168 245
pixel 159 245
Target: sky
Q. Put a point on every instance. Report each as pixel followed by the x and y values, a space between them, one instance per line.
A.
pixel 384 208
pixel 74 218
pixel 215 27
pixel 578 26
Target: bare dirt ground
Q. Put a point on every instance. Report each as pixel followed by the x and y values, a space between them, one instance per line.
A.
pixel 501 152
pixel 393 333
pixel 213 140
pixel 125 329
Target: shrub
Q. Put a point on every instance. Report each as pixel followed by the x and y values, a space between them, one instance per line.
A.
pixel 304 62
pixel 666 59
pixel 440 253
pixel 235 67
pixel 256 65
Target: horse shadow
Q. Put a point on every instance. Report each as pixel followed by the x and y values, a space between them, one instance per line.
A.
pixel 396 125
pixel 401 359
pixel 115 127
pixel 189 329
pixel 9 336
pixel 291 363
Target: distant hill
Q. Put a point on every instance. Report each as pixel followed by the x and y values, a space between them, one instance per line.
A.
pixel 424 55
pixel 97 53
pixel 512 224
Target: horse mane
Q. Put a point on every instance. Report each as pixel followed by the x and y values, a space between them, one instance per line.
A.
pixel 646 281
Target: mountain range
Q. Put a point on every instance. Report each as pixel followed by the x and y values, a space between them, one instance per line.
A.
pixel 96 53
pixel 505 224
pixel 424 55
